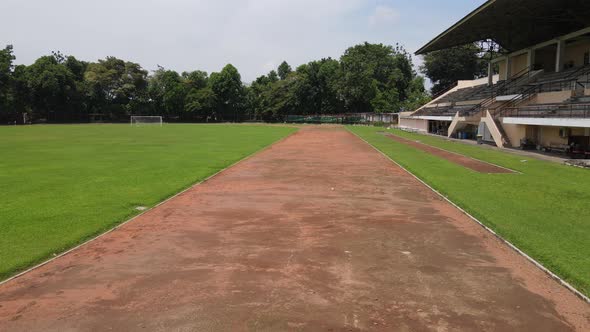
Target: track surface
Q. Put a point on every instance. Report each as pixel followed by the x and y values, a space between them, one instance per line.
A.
pixel 318 232
pixel 474 164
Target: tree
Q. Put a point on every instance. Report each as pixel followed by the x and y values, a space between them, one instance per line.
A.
pixel 168 90
pixel 117 85
pixel 20 90
pixel 445 67
pixel 229 93
pixel 6 67
pixel 284 70
pixel 367 78
pixel 273 76
pixel 317 87
pixel 53 87
pixel 375 77
pixel 417 95
pixel 280 99
pixel 200 103
pixel 195 79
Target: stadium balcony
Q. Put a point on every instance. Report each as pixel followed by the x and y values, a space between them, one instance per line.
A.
pixel 446 111
pixel 509 93
pixel 563 110
pixel 538 83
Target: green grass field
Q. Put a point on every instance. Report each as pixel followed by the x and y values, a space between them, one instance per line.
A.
pixel 61 185
pixel 545 211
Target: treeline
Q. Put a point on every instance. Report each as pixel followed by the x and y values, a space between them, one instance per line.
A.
pixel 59 88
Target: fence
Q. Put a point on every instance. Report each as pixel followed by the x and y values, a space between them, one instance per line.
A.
pixel 351 118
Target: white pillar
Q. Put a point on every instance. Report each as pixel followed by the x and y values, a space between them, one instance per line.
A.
pixel 490 74
pixel 508 68
pixel 559 56
pixel 531 59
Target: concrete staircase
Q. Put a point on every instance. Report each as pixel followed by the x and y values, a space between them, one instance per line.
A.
pixel 505 139
pixel 453 126
pixel 497 131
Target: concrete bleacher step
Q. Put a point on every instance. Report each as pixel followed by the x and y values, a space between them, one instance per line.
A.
pixel 582 99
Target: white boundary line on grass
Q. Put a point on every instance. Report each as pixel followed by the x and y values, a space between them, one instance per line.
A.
pixel 148 210
pixel 462 155
pixel 509 244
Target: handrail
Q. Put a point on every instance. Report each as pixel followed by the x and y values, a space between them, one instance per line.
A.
pixel 530 89
pixel 572 78
pixel 445 90
pixel 519 98
pixel 551 110
pixel 536 88
pixel 495 91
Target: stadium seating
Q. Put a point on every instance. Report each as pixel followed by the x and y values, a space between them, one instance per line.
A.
pixel 542 82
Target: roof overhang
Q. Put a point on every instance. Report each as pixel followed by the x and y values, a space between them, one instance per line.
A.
pixel 515 25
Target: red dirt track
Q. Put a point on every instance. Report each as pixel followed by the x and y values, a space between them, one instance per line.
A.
pixel 474 164
pixel 319 232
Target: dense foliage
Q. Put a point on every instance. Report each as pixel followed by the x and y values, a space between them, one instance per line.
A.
pixel 59 88
pixel 445 67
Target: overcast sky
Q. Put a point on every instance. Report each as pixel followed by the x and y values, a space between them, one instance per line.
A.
pixel 253 35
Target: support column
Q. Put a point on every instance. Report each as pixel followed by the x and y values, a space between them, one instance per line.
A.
pixel 531 59
pixel 559 56
pixel 490 74
pixel 508 68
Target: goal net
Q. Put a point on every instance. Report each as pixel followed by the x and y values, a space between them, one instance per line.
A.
pixel 146 120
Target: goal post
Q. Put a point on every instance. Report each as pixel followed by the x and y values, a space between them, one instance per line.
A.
pixel 137 120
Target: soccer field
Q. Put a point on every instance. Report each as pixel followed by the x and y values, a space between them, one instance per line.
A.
pixel 543 210
pixel 62 184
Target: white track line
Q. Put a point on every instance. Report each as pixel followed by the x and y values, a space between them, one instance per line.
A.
pixel 515 248
pixel 146 211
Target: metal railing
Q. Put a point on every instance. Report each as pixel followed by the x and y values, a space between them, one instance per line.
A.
pixel 498 90
pixel 549 111
pixel 578 77
pixel 445 90
pixel 518 99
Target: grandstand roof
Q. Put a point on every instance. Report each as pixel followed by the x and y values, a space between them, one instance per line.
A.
pixel 515 24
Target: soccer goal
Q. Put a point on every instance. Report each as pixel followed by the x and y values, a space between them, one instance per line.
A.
pixel 146 120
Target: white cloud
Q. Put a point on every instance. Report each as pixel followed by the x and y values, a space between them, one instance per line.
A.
pixel 253 35
pixel 383 16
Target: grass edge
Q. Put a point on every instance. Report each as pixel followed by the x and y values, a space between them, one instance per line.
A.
pixel 116 225
pixel 537 264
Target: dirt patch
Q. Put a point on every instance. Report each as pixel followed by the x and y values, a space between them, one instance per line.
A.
pixel 318 233
pixel 473 164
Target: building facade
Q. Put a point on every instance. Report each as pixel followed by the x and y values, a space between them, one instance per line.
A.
pixel 540 97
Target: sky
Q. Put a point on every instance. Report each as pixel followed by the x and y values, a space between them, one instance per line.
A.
pixel 253 35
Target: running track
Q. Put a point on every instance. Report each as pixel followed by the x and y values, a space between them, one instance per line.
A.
pixel 319 232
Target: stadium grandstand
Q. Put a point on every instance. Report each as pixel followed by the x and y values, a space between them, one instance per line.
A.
pixel 537 93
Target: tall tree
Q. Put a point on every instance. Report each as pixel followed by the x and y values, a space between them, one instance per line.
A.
pixel 116 84
pixel 6 67
pixel 54 92
pixel 229 93
pixel 273 76
pixel 168 91
pixel 200 103
pixel 375 77
pixel 20 92
pixel 445 67
pixel 417 95
pixel 195 79
pixel 317 89
pixel 284 70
